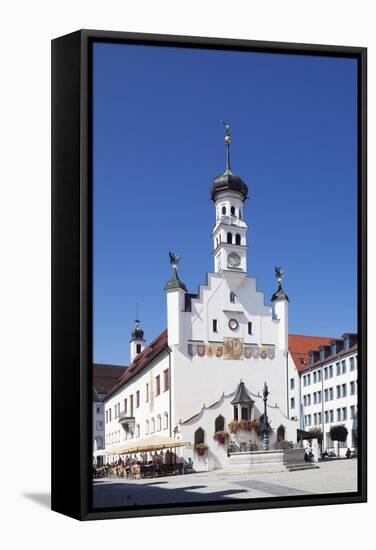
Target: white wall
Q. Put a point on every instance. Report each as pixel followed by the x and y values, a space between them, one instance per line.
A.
pixel 157 405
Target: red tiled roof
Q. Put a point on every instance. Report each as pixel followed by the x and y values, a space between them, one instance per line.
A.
pixel 105 376
pixel 142 360
pixel 300 346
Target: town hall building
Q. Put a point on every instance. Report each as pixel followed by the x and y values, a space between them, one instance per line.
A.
pixel 203 380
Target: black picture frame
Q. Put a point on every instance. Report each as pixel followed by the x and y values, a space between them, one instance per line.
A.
pixel 72 274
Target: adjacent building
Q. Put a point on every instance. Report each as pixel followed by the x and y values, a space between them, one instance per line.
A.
pixel 326 386
pixel 103 379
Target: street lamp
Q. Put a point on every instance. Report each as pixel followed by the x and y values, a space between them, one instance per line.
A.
pixel 265 423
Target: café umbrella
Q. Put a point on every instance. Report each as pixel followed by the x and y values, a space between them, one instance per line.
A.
pixel 151 443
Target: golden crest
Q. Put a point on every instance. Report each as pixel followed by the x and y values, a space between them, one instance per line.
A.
pixel 233 348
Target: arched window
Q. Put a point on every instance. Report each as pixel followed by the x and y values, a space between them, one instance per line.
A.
pixel 223 210
pixel 159 423
pixel 199 436
pixel 220 424
pixel 165 421
pixel 232 210
pixel 229 238
pixel 147 427
pixel 152 425
pixel 237 239
pixel 281 433
pixel 232 297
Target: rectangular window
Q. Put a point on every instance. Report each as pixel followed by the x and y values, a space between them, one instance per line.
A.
pixel 352 412
pixel 315 377
pixel 125 406
pixel 106 417
pixel 319 397
pixel 330 394
pixel 338 368
pixel 305 400
pixel 147 393
pixel 352 388
pixel 326 395
pixel 326 373
pixel 338 415
pixel 314 398
pixel 331 371
pixel 236 412
pixel 315 419
pixel 308 379
pixel 250 328
pixel 292 383
pixel 331 416
pixel 157 385
pixel 165 379
pixel 344 390
pixel 137 398
pixel 308 419
pixel 109 414
pixel 319 418
pixel 98 409
pixel 319 376
pixel 131 405
pixel 99 425
pixel 352 363
pixel 338 390
pixel 344 413
pixel 292 403
pixel 326 417
pixel 344 366
pixel 138 348
pixel 215 328
pixel 304 381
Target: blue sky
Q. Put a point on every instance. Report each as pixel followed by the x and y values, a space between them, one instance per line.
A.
pixel 158 144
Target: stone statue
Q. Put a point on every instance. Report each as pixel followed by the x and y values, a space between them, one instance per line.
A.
pixel 279 272
pixel 174 260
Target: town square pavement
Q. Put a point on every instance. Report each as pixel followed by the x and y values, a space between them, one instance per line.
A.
pixel 336 476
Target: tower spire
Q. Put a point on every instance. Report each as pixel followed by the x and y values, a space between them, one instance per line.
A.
pixel 227 142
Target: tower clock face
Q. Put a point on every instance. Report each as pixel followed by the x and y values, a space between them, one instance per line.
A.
pixel 233 260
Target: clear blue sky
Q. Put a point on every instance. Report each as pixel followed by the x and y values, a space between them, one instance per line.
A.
pixel 158 144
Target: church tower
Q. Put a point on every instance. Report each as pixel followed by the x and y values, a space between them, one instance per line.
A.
pixel 229 193
pixel 137 343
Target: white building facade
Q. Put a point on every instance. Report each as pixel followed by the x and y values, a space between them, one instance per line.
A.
pixel 329 391
pixel 206 373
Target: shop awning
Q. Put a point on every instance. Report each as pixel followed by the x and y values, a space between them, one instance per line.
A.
pixel 151 443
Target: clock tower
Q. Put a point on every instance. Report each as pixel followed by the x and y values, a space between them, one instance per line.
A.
pixel 229 193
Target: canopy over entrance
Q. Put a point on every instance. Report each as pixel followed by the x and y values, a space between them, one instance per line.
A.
pixel 152 443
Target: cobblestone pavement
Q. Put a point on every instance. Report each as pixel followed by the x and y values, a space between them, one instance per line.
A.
pixel 332 477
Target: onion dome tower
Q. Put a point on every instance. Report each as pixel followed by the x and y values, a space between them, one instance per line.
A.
pixel 229 192
pixel 137 342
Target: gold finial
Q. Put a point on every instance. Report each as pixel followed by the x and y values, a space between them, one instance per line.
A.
pixel 227 141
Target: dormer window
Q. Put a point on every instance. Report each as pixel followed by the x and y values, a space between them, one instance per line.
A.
pixel 334 348
pixel 322 354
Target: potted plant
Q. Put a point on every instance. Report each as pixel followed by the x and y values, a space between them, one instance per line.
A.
pixel 221 437
pixel 200 449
